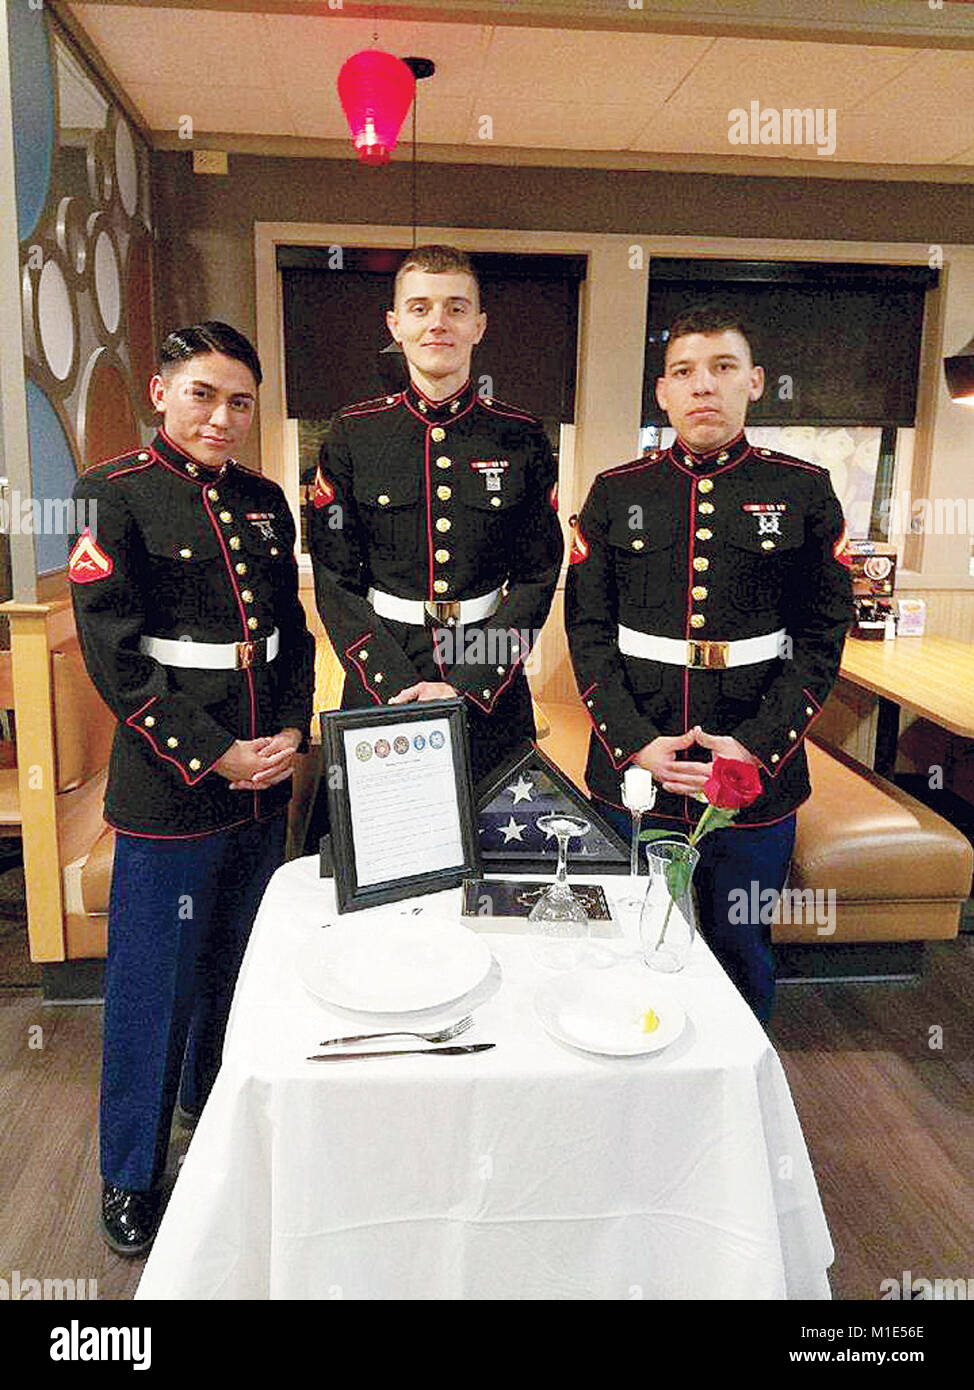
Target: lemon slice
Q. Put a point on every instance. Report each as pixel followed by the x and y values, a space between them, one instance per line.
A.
pixel 650 1021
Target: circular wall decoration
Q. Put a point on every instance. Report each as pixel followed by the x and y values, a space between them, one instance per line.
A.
pixel 106 274
pixel 56 321
pixel 53 473
pixel 140 325
pixel 126 168
pixel 70 233
pixel 107 423
pixel 32 99
pixel 50 319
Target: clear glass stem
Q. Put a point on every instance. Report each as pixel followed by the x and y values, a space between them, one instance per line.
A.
pixel 561 873
pixel 637 824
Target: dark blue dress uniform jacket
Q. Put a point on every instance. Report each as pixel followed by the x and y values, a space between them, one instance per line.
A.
pixel 673 544
pixel 438 501
pixel 175 550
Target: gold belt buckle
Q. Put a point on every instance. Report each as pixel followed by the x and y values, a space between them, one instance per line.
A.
pixel 448 613
pixel 707 656
pixel 245 655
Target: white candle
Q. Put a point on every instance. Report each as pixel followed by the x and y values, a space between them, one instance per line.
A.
pixel 638 789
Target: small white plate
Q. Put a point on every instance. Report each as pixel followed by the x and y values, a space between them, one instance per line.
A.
pixel 398 965
pixel 607 1011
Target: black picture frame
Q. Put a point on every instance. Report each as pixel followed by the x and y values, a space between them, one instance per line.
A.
pixel 350 896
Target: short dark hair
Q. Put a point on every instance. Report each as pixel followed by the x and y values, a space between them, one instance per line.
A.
pixel 437 260
pixel 211 336
pixel 709 317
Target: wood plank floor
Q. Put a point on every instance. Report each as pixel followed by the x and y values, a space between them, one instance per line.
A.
pixel 888 1119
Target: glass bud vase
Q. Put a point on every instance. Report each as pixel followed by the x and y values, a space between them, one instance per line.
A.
pixel 667 922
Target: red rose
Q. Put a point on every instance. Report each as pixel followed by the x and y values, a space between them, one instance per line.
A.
pixel 732 784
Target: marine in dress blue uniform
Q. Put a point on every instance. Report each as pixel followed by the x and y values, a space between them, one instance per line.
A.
pixel 706 607
pixel 186 600
pixel 433 525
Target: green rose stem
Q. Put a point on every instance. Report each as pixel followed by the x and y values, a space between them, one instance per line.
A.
pixel 677 874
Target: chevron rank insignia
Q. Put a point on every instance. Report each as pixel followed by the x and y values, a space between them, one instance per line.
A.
pixel 88 562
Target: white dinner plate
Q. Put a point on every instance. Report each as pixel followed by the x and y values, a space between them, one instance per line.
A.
pixel 397 965
pixel 624 1012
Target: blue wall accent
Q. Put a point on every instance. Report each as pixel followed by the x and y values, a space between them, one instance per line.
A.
pixel 54 473
pixel 32 84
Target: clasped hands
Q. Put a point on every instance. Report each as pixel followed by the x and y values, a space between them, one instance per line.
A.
pixel 687 778
pixel 258 763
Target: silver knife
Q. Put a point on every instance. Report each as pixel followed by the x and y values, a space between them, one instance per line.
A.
pixel 403 1052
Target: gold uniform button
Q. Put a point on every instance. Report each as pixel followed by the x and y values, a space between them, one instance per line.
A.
pixel 186 553
pixel 241 568
pixel 149 721
pixel 234 542
pixel 383 499
pixel 363 654
pixel 495 501
pixel 226 516
pixel 500 670
pixel 776 757
pixel 698 591
pixel 486 694
pixel 390 400
pixel 274 550
pixel 378 677
pixel 172 742
pixel 809 710
pixel 444 492
pixel 247 596
pixel 454 407
pixel 442 556
pixel 440 586
pixel 444 462
pixel 252 623
pixel 437 433
pixel 443 523
pixel 697 620
pixel 706 508
pixel 638 544
pixel 617 752
pixel 192 470
pixel 143 458
pixel 706 485
pixel 213 495
pixel 423 407
pixel 723 456
pixel 701 563
pixel 602 728
pixel 767 545
pixel 704 535
pixel 195 764
pixel 792 734
pixel 590 703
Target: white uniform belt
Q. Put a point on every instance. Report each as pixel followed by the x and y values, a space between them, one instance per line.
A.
pixel 414 610
pixel 716 656
pixel 211 656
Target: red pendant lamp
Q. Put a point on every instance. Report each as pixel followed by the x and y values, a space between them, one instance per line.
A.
pixel 375 90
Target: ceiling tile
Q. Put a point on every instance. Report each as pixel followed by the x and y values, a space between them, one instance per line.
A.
pixel 735 72
pixel 236 110
pixel 554 125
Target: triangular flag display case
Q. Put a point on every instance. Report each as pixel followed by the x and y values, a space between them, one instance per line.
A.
pixel 509 802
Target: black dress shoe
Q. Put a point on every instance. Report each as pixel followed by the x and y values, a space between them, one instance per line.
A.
pixel 129 1220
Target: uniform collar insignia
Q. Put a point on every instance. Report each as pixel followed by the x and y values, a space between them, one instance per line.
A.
pixel 182 463
pixel 714 459
pixel 439 411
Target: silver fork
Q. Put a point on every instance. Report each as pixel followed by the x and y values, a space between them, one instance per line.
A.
pixel 444 1034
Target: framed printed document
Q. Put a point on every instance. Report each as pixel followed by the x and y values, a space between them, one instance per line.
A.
pixel 401 801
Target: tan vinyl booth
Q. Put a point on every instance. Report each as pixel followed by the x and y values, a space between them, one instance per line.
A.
pixel 64 736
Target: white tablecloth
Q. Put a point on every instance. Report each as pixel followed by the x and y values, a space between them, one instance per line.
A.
pixel 532 1171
